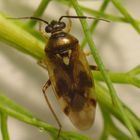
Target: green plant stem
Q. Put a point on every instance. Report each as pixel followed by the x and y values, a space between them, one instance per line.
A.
pixel 119 6
pixel 39 11
pixel 21 115
pixel 134 119
pixel 104 135
pixel 20 39
pixel 3 124
pixel 105 131
pixel 95 23
pixel 27 119
pixel 117 133
pixel 112 91
pixel 104 99
pixel 123 78
pixel 107 16
pixel 110 127
pixel 11 104
pixel 134 71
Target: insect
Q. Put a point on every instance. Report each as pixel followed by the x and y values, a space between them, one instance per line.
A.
pixel 69 74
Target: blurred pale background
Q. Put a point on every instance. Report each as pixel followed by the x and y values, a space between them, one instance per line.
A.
pixel 21 79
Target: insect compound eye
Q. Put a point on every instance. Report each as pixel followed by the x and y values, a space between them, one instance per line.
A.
pixel 62 25
pixel 55 26
pixel 48 29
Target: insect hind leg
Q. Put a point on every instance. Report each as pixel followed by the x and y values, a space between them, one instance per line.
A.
pixel 45 87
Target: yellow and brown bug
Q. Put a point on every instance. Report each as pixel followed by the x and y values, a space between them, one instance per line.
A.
pixel 69 74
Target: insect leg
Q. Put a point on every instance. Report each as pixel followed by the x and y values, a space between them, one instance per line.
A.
pixel 87 53
pixel 41 64
pixel 47 84
pixel 93 67
pixel 43 33
pixel 69 25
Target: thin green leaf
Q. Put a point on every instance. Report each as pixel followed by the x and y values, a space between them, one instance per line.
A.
pixel 119 6
pixel 3 125
pixel 21 114
pixel 95 23
pixel 39 11
pixel 20 39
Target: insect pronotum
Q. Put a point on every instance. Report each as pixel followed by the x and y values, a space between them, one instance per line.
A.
pixel 69 74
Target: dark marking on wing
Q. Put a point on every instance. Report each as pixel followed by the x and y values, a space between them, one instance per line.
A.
pixel 66 110
pixel 72 82
pixel 62 87
pixel 62 79
pixel 84 79
pixel 93 101
pixel 77 102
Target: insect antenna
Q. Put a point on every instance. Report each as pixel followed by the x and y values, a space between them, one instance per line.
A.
pixel 34 18
pixel 83 17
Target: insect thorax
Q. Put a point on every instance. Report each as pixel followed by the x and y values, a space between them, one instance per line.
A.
pixel 60 42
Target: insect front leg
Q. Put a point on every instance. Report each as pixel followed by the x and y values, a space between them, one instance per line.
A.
pixel 42 64
pixel 69 25
pixel 87 53
pixel 43 33
pixel 45 87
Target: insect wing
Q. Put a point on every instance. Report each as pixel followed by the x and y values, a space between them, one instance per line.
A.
pixel 60 80
pixel 84 118
pixel 74 87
